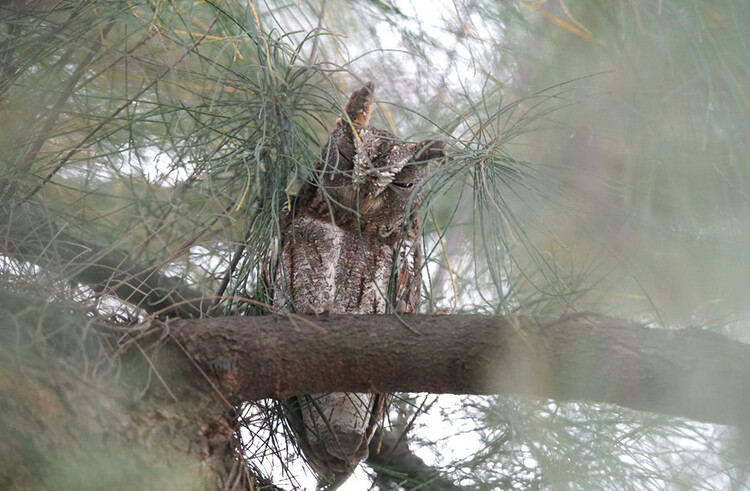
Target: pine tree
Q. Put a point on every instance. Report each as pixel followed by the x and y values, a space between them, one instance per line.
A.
pixel 148 150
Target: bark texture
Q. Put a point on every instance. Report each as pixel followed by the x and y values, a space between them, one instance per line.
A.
pixel 164 412
pixel 697 375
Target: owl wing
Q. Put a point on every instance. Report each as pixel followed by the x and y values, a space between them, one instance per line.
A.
pixel 408 279
pixel 408 256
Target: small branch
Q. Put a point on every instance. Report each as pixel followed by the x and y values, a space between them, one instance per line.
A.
pixel 580 357
pixel 395 460
pixel 65 94
pixel 235 259
pixel 28 236
pixel 54 112
pixel 84 143
pixel 228 273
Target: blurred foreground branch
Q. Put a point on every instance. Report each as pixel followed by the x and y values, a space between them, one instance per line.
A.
pixel 29 236
pixel 590 357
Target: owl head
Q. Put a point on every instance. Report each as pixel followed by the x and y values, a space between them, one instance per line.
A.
pixel 369 173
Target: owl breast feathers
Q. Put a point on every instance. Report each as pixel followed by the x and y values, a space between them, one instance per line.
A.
pixel 350 245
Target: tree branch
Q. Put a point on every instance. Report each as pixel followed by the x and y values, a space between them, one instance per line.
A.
pixel 577 357
pixel 84 142
pixel 396 463
pixel 28 235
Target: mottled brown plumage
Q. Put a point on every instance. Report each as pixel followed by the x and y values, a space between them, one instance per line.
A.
pixel 350 245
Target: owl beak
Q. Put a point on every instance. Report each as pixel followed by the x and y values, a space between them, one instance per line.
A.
pixel 379 177
pixel 384 177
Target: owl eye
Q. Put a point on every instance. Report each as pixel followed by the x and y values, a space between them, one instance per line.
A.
pixel 403 185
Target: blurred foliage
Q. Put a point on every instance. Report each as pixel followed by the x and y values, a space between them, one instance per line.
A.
pixel 60 383
pixel 599 164
pixel 654 167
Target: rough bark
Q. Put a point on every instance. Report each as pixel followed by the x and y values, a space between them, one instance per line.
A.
pixel 73 414
pixel 577 357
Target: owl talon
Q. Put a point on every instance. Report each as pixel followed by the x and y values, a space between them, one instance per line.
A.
pixel 402 307
pixel 328 308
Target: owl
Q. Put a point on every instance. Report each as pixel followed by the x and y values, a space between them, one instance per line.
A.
pixel 350 245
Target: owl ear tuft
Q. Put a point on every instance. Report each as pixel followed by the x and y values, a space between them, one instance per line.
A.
pixel 359 107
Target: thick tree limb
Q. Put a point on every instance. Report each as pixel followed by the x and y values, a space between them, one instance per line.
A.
pixel 578 357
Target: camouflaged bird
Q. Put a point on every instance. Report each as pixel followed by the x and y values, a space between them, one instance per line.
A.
pixel 350 245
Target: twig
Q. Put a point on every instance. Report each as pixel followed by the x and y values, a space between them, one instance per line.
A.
pixel 235 260
pixel 54 112
pixel 83 143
